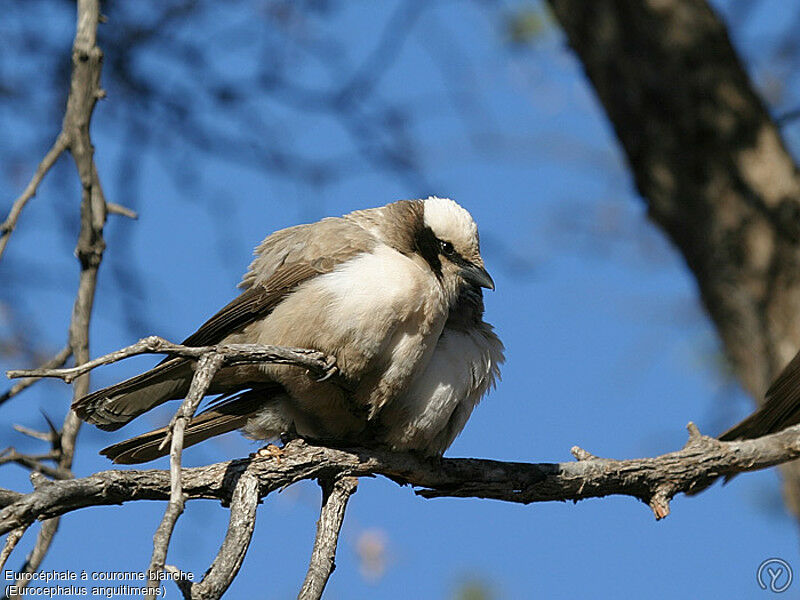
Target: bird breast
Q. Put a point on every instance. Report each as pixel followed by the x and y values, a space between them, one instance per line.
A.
pixel 379 314
pixel 440 399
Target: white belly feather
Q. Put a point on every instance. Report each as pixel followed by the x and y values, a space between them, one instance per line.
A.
pixel 435 408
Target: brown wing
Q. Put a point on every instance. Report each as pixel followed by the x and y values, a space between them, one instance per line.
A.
pixel 249 306
pixel 320 245
pixel 284 260
pixel 112 407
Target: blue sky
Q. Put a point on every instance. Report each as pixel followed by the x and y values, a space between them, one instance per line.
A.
pixel 607 347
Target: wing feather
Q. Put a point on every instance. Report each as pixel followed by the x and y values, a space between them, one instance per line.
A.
pixel 283 261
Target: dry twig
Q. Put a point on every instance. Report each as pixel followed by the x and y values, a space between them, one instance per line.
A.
pixel 7 227
pixel 316 362
pixel 207 367
pixel 335 494
pixel 237 540
pixel 57 361
pixel 83 94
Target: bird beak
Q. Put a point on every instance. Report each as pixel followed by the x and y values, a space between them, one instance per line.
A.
pixel 477 275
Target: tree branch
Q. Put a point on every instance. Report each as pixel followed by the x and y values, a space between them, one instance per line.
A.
pixel 83 94
pixel 57 361
pixel 220 575
pixel 12 538
pixel 711 165
pixel 34 463
pixel 9 497
pixel 335 494
pixel 689 470
pixel 207 367
pixel 318 363
pixel 7 227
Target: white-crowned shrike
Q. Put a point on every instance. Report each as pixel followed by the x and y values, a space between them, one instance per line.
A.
pixel 393 293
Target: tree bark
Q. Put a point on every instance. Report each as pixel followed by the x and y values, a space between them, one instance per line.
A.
pixel 711 166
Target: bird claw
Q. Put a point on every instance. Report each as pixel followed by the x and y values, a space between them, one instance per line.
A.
pixel 330 369
pixel 271 451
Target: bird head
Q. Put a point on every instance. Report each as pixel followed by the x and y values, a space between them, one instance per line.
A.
pixel 450 244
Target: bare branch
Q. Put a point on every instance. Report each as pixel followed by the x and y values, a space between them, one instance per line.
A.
pixel 43 540
pixel 12 538
pixel 7 227
pixel 57 361
pixel 117 209
pixel 37 435
pixel 83 94
pixel 237 540
pixel 335 494
pixel 316 362
pixel 689 470
pixel 9 497
pixel 207 367
pixel 709 183
pixel 34 463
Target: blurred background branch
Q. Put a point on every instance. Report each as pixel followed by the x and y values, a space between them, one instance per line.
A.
pixel 231 120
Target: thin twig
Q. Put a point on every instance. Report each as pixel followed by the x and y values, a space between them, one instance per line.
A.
pixel 57 361
pixel 335 494
pixel 117 209
pixel 83 94
pixel 207 367
pixel 45 436
pixel 43 541
pixel 317 362
pixel 34 463
pixel 7 227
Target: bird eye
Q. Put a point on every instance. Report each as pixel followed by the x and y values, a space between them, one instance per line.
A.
pixel 447 248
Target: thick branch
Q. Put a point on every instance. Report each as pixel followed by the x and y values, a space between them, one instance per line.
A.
pixel 237 540
pixel 689 470
pixel 9 497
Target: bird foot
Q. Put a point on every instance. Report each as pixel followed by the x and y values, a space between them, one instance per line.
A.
pixel 271 451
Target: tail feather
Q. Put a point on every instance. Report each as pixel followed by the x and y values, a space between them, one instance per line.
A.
pixel 221 417
pixel 781 408
pixel 770 418
pixel 114 406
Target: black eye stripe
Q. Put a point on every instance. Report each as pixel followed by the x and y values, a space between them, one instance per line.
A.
pixel 428 246
pixel 432 249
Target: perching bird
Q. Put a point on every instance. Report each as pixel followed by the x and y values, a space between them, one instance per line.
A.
pixel 781 407
pixel 393 293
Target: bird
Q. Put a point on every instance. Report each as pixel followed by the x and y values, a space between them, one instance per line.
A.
pixel 394 294
pixel 780 409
